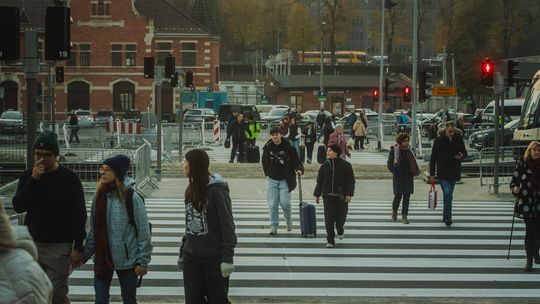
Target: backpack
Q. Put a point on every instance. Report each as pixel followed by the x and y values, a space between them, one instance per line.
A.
pixel 129 208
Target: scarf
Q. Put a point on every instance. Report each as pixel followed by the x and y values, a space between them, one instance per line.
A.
pixel 410 158
pixel 534 165
pixel 103 261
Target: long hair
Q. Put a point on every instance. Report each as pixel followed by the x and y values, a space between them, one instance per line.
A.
pixel 120 189
pixel 532 145
pixel 199 176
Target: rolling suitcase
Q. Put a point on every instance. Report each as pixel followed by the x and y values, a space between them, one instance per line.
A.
pixel 308 217
pixel 253 154
pixel 321 154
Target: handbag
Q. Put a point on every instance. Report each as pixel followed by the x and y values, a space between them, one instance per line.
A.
pixel 432 196
pixel 227 143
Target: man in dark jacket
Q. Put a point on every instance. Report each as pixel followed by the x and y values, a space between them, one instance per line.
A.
pixel 446 155
pixel 321 117
pixel 53 198
pixel 73 127
pixel 335 182
pixel 351 121
pixel 238 136
pixel 280 162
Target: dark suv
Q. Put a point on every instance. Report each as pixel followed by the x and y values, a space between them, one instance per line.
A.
pixel 12 122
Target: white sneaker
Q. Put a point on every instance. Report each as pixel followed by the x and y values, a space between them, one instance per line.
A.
pixel 289 227
pixel 329 245
pixel 273 230
pixel 340 236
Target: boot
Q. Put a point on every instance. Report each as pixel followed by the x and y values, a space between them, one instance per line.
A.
pixel 404 219
pixel 394 215
pixel 529 250
pixel 536 252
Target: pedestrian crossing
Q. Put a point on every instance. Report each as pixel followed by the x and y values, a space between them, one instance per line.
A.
pixel 377 257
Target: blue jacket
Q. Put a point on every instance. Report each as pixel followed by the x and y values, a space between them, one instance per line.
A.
pixel 126 249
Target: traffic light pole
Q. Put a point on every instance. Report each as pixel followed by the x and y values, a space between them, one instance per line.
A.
pixel 381 78
pixel 31 70
pixel 159 84
pixel 414 130
pixel 499 91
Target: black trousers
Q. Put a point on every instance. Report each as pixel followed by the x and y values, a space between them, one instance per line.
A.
pixel 335 214
pixel 361 140
pixel 203 282
pixel 309 150
pixel 240 146
pixel 74 132
pixel 397 199
pixel 532 236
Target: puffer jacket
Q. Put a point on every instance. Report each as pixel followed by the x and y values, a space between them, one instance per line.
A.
pixel 359 128
pixel 21 278
pixel 127 250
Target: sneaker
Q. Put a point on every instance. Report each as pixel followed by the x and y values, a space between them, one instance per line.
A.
pixel 404 219
pixel 448 223
pixel 289 227
pixel 394 215
pixel 231 161
pixel 273 231
pixel 329 245
pixel 340 236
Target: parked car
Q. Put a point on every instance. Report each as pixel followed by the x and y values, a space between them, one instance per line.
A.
pixel 103 116
pixel 199 115
pixel 132 116
pixel 85 117
pixel 486 138
pixel 168 117
pixel 275 115
pixel 264 109
pixel 12 122
pixel 226 109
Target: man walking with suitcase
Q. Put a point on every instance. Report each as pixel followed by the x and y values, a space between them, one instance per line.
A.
pixel 280 164
pixel 335 182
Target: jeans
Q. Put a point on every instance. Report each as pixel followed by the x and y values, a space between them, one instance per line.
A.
pixel 278 195
pixel 309 150
pixel 335 214
pixel 397 199
pixel 203 282
pixel 295 142
pixel 447 187
pixel 128 286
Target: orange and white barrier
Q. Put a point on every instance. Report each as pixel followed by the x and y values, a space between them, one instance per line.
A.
pixel 217 131
pixel 125 127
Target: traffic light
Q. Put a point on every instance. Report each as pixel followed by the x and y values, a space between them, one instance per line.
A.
pixel 487 72
pixel 189 79
pixel 174 80
pixel 57 33
pixel 512 68
pixel 388 4
pixel 149 67
pixel 423 86
pixel 59 73
pixel 9 23
pixel 387 83
pixel 169 66
pixel 406 94
pixel 375 95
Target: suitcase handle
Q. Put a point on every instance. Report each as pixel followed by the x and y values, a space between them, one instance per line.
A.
pixel 300 188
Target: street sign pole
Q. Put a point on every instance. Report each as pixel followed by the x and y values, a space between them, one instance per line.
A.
pixel 499 90
pixel 159 83
pixel 414 80
pixel 31 70
pixel 381 77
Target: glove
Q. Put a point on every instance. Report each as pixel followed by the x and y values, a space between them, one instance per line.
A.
pixel 226 269
pixel 180 263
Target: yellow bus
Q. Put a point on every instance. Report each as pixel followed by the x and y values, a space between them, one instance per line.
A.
pixel 341 57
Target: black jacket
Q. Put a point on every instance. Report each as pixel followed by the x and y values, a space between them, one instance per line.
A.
pixel 281 161
pixel 442 161
pixel 335 178
pixel 54 205
pixel 310 138
pixel 210 233
pixel 237 131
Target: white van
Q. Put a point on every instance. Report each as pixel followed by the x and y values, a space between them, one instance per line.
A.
pixel 512 108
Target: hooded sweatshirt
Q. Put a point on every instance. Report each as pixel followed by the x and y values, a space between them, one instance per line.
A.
pixel 210 232
pixel 280 161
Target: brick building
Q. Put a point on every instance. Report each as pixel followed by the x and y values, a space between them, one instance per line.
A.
pixel 110 38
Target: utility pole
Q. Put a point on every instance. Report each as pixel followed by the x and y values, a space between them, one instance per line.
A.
pixel 159 85
pixel 499 91
pixel 31 70
pixel 381 78
pixel 445 82
pixel 321 72
pixel 414 79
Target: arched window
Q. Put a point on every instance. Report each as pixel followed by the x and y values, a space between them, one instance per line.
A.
pixel 78 96
pixel 123 96
pixel 9 100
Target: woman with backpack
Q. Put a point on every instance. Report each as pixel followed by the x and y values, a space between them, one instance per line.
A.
pixel 119 236
pixel 206 255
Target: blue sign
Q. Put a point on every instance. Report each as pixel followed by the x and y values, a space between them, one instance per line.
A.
pixel 322 94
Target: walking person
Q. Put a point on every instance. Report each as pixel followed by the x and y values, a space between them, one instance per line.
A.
pixel 53 198
pixel 338 138
pixel 22 279
pixel 206 256
pixel 445 163
pixel 73 127
pixel 253 128
pixel 238 135
pixel 402 163
pixel 359 130
pixel 365 122
pixel 280 162
pixel 119 237
pixel 310 138
pixel 321 120
pixel 525 185
pixel 335 183
pixel 294 135
pixel 328 129
pixel 351 120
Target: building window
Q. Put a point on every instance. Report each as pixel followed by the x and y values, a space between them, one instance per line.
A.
pixel 84 54
pixel 297 102
pixel 189 54
pixel 101 8
pixel 116 55
pixel 72 61
pixel 131 54
pixel 163 49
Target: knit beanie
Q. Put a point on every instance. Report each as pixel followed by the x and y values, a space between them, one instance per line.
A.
pixel 47 140
pixel 335 148
pixel 119 164
pixel 7 239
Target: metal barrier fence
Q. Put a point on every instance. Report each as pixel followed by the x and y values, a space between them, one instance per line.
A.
pixel 507 164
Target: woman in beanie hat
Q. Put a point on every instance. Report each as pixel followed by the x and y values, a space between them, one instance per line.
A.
pixel 335 182
pixel 119 237
pixel 402 164
pixel 22 279
pixel 206 255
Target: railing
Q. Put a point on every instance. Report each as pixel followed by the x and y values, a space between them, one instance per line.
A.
pixel 507 164
pixel 143 164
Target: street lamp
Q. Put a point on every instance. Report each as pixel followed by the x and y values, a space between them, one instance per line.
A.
pixel 321 73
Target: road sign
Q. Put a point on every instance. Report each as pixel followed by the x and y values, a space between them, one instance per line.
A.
pixel 322 98
pixel 444 91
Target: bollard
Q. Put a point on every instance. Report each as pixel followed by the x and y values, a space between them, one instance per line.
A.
pixel 217 131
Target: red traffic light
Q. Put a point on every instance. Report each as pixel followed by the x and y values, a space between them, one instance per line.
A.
pixel 375 93
pixel 487 66
pixel 407 90
pixel 487 72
